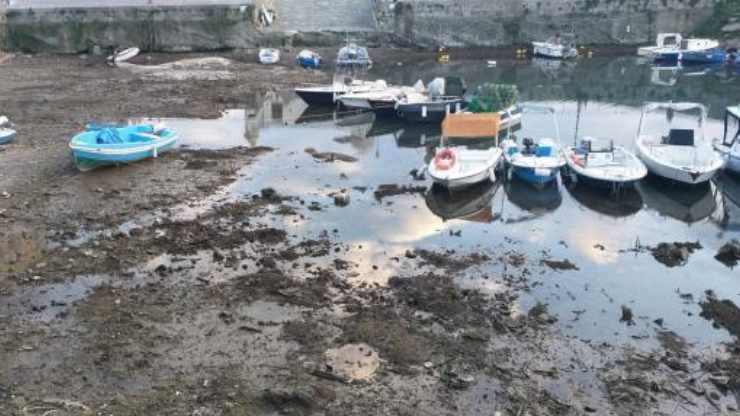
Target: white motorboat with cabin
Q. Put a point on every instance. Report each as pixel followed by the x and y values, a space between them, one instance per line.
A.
pixel 672 53
pixel 663 41
pixel 683 155
pixel 729 146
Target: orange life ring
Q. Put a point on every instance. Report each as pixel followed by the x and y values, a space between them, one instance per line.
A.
pixel 444 159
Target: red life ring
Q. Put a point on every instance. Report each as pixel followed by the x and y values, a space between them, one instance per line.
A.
pixel 444 159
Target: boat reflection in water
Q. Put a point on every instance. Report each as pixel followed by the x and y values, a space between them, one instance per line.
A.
pixel 474 203
pixel 538 203
pixel 626 203
pixel 728 187
pixel 686 204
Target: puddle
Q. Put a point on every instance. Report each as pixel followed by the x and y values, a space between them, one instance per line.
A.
pixel 353 362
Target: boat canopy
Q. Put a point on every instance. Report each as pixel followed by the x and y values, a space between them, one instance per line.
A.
pixel 447 86
pixel 732 115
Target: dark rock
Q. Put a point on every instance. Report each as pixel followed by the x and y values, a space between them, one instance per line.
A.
pixel 564 264
pixel 341 200
pixel 729 254
pixel 674 254
pixel 392 189
pixel 627 316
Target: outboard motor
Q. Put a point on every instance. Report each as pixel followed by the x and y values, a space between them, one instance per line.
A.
pixel 528 145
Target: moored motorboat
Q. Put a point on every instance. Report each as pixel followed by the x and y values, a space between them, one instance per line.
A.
pixel 536 161
pixel 554 48
pixel 673 53
pixel 443 96
pixel 604 165
pixel 662 41
pixel 99 146
pixel 729 145
pixel 269 56
pixel 309 59
pixel 328 94
pixel 382 102
pixel 459 167
pixel 680 156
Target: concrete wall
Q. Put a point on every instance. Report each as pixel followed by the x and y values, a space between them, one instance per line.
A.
pixel 72 30
pixel 3 23
pixel 505 22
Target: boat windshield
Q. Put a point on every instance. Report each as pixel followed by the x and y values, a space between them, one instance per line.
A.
pixel 680 122
pixel 732 125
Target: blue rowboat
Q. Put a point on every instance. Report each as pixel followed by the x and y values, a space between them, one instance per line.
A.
pixel 102 145
pixel 6 135
pixel 709 56
pixel 309 59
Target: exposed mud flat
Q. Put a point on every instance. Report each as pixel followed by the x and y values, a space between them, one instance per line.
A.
pixel 193 285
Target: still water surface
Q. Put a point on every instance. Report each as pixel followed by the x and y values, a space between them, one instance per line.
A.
pixel 595 97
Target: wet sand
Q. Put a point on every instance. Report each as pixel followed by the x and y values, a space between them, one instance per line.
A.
pixel 123 292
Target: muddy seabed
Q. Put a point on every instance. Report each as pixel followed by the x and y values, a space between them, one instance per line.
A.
pixel 151 290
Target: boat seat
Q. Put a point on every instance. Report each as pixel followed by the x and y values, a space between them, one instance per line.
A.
pixel 680 137
pixel 108 136
pixel 543 151
pixel 143 137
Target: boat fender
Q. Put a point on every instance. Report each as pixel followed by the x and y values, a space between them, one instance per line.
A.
pixel 445 159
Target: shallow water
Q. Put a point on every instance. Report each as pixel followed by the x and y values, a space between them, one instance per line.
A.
pixel 596 97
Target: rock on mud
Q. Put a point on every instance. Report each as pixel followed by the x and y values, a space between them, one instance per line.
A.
pixel 352 362
pixel 330 156
pixel 729 254
pixel 724 313
pixel 393 189
pixel 564 264
pixel 674 254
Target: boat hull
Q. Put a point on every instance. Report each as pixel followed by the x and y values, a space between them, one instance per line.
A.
pixel 682 175
pixel 716 56
pixel 539 176
pixel 88 156
pixel 316 97
pixel 429 112
pixel 460 183
pixel 7 135
pixel 383 108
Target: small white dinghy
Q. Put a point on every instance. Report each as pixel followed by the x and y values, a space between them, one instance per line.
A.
pixel 729 146
pixel 602 164
pixel 683 155
pixel 459 167
pixel 7 134
pixel 123 55
pixel 662 41
pixel 269 56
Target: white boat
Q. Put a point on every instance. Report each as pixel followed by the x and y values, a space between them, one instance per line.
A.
pixel 673 53
pixel 7 133
pixel 124 55
pixel 269 56
pixel 683 155
pixel 603 164
pixel 729 146
pixel 536 161
pixel 662 41
pixel 555 49
pixel 382 102
pixel 459 167
pixel 353 55
pixel 329 94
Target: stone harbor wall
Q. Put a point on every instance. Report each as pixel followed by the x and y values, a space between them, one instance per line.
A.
pixel 167 28
pixel 507 22
pixel 72 26
pixel 3 23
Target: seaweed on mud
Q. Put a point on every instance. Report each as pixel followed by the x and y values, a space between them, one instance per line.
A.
pixel 387 190
pixel 448 260
pixel 724 313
